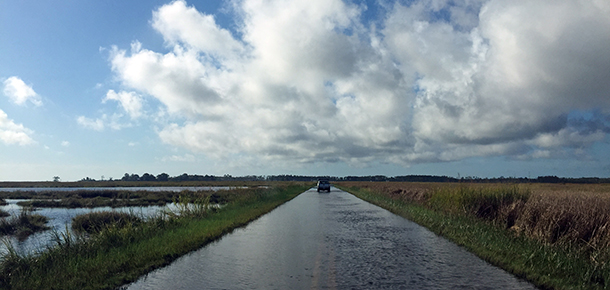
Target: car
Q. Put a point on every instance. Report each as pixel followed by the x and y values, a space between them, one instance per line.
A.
pixel 323 185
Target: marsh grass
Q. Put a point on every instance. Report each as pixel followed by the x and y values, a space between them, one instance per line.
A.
pixel 197 207
pixel 95 198
pixel 500 204
pixel 92 202
pixel 94 222
pixel 557 236
pixel 117 255
pixel 24 224
pixel 123 198
pixel 577 218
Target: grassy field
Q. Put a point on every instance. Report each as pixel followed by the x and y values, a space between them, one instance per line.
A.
pixel 119 254
pixel 556 236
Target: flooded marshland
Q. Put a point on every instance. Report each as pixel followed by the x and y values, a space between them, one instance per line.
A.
pixel 60 219
pixel 132 189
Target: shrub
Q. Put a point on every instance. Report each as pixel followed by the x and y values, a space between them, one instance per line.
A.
pixel 95 222
pixel 24 224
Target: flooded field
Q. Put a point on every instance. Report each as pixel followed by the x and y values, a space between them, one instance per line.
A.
pixel 61 204
pixel 142 188
pixel 330 241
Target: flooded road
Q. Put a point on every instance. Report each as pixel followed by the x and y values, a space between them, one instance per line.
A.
pixel 330 241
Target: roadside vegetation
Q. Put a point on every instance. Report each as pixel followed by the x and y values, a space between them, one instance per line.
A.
pixel 117 249
pixel 556 236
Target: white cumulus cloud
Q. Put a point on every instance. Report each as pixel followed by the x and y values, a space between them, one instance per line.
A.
pixel 310 81
pixel 129 101
pixel 179 23
pixel 19 92
pixel 13 133
pixel 93 124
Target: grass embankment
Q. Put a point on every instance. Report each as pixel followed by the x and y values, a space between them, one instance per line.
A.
pixel 556 237
pixel 120 254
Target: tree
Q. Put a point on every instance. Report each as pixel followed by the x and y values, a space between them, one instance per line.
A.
pixel 163 177
pixel 56 178
pixel 132 177
pixel 148 177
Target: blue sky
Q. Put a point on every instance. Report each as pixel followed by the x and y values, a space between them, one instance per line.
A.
pixel 476 88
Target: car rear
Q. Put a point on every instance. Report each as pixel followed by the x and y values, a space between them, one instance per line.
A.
pixel 323 185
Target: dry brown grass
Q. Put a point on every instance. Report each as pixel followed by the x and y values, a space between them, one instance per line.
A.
pixel 568 217
pixel 406 191
pixel 570 214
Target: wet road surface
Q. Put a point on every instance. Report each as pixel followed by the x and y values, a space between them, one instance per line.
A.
pixel 330 241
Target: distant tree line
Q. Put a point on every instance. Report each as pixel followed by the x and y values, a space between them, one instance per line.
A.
pixel 379 178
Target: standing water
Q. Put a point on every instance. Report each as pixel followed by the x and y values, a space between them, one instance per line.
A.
pixel 330 241
pixel 60 219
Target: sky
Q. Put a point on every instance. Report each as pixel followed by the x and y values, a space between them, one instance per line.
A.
pixel 485 88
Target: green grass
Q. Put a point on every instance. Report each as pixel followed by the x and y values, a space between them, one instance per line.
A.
pixel 95 222
pixel 119 255
pixel 23 225
pixel 549 266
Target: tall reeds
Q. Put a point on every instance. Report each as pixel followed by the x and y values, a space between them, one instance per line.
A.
pixel 501 204
pixel 568 217
pixel 196 207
